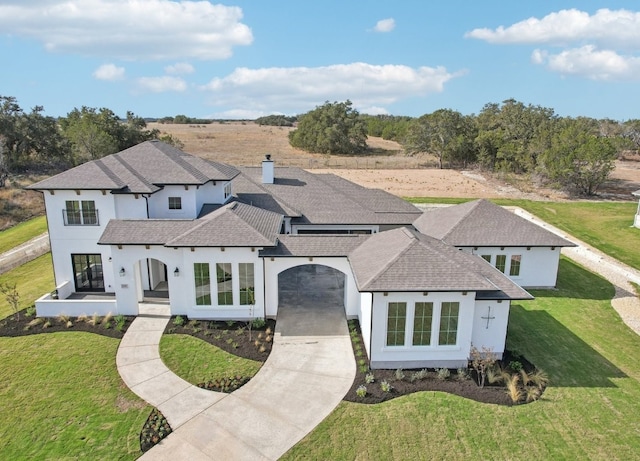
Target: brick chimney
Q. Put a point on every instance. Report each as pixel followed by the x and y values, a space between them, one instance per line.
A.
pixel 267 170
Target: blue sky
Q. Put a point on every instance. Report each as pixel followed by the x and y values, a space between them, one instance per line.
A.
pixel 248 58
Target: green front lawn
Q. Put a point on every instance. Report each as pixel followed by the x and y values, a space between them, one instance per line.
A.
pixel 61 398
pixel 589 411
pixel 197 361
pixel 23 232
pixel 32 280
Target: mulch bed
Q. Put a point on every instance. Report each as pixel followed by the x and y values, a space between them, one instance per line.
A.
pixel 154 430
pixel 19 325
pixel 232 337
pixel 467 388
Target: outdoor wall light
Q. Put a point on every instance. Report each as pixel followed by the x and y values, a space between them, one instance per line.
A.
pixel 122 272
pixel 176 273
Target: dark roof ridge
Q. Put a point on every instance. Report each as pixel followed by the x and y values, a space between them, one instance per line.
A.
pixel 106 170
pixel 117 157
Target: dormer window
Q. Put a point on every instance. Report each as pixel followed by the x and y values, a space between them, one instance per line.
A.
pixel 175 203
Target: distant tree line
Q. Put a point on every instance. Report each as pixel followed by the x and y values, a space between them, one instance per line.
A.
pixel 276 120
pixel 576 154
pixel 184 120
pixel 31 141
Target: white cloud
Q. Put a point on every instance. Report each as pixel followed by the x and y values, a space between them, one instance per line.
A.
pixel 129 29
pixel 109 72
pixel 179 68
pixel 385 25
pixel 299 89
pixel 161 84
pixel 373 110
pixel 620 28
pixel 589 62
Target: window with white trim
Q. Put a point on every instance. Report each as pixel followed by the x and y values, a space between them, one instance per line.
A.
pixel 246 279
pixel 501 262
pixel 396 323
pixel 203 284
pixel 80 213
pixel 225 284
pixel 422 319
pixel 449 312
pixel 514 268
pixel 227 190
pixel 487 258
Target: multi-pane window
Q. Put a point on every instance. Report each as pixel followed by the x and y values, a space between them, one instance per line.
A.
pixel 501 262
pixel 422 318
pixel 225 285
pixel 203 284
pixel 246 279
pixel 396 324
pixel 175 203
pixel 87 269
pixel 227 190
pixel 448 323
pixel 487 258
pixel 514 269
pixel 80 213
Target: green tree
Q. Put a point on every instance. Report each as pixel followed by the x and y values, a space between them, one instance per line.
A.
pixel 333 128
pixel 511 136
pixel 28 140
pixel 579 158
pixel 446 134
pixel 95 133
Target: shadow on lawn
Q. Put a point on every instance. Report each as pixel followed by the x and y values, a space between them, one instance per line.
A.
pixel 569 361
pixel 550 345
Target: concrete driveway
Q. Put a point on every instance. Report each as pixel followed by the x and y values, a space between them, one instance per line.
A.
pixel 310 369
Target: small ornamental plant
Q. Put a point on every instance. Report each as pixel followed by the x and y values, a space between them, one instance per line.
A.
pixel 361 391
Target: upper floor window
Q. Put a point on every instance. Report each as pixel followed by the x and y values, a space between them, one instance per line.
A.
pixel 514 269
pixel 175 203
pixel 80 213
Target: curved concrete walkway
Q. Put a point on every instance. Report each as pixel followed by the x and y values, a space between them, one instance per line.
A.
pixel 310 369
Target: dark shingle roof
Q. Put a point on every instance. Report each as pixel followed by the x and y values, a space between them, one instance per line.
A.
pixel 140 169
pixel 322 198
pixel 315 245
pixel 232 225
pixel 482 223
pixel 405 260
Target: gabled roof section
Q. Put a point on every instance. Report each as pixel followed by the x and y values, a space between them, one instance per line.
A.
pixel 482 223
pixel 143 231
pixel 315 245
pixel 143 168
pixel 405 260
pixel 232 225
pixel 322 198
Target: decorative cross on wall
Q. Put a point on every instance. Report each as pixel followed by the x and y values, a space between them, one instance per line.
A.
pixel 488 317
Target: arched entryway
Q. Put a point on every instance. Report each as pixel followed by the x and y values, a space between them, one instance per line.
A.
pixel 312 285
pixel 152 280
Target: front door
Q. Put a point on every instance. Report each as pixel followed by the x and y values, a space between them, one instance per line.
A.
pixel 88 272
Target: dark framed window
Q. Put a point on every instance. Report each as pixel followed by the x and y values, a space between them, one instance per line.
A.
pixel 87 270
pixel 175 203
pixel 203 284
pixel 487 258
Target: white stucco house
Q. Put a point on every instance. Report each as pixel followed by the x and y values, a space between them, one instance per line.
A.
pixel 213 241
pixel 636 219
